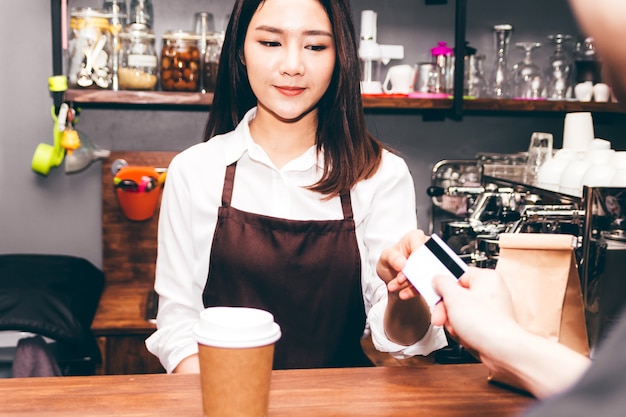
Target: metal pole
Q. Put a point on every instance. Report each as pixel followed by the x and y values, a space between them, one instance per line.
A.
pixel 57 48
pixel 459 57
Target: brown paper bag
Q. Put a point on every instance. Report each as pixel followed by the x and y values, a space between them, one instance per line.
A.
pixel 541 274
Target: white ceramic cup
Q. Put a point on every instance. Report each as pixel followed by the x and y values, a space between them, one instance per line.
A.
pixel 619 179
pixel 578 131
pixel 618 160
pixel 584 91
pixel 601 170
pixel 601 92
pixel 549 175
pixel 572 178
pixel 399 79
pixel 599 156
pixel 598 144
pixel 599 175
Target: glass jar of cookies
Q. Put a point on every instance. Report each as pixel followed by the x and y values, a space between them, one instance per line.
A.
pixel 180 61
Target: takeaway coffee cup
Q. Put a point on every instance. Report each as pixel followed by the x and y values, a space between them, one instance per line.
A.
pixel 236 352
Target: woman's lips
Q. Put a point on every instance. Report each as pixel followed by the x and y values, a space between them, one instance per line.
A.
pixel 290 91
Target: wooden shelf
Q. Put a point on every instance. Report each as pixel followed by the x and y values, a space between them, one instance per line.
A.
pixel 125 97
pixel 562 106
pixel 108 97
pixel 395 102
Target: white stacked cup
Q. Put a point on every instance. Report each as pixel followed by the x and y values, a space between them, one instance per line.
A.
pixel 572 177
pixel 550 173
pixel 601 171
pixel 619 163
pixel 578 131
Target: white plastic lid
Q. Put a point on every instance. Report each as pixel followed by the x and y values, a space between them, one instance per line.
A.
pixel 236 327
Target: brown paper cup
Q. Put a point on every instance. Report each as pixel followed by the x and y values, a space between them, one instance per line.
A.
pixel 235 382
pixel 236 352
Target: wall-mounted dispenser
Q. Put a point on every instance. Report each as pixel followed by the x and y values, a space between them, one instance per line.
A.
pixel 372 54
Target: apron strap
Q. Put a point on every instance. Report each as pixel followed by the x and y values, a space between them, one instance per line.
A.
pixel 346 206
pixel 229 180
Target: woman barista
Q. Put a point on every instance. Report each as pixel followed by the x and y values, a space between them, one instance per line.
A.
pixel 289 203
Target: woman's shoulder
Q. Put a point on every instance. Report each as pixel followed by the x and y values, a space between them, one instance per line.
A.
pixel 392 164
pixel 393 170
pixel 211 152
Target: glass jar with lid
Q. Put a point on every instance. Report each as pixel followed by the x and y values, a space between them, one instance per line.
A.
pixel 89 63
pixel 180 61
pixel 138 59
pixel 212 60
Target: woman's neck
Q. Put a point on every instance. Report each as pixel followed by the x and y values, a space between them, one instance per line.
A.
pixel 283 140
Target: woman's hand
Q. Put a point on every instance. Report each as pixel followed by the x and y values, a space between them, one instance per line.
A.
pixel 392 260
pixel 407 316
pixel 189 365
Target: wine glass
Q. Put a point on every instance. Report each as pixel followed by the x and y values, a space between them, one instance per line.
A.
pixel 499 79
pixel 559 69
pixel 527 77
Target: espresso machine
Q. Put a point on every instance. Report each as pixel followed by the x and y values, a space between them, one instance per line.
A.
pixel 472 204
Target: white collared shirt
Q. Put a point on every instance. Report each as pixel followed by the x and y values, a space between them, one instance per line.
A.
pixel 383 206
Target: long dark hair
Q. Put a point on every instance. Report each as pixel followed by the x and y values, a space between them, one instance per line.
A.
pixel 351 153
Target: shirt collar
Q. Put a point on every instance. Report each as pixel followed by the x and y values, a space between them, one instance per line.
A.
pixel 241 142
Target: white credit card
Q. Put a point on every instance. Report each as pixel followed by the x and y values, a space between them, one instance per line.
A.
pixel 433 258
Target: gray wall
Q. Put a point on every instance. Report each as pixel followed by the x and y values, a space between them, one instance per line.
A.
pixel 61 213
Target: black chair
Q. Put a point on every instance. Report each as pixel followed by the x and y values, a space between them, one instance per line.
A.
pixel 56 297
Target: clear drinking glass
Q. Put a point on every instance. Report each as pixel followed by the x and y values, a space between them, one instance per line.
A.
pixel 559 69
pixel 499 81
pixel 539 151
pixel 117 9
pixel 141 11
pixel 475 78
pixel 527 77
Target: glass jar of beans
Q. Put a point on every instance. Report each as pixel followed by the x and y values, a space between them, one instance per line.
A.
pixel 180 61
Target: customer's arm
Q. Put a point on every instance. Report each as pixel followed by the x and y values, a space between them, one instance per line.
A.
pixel 479 312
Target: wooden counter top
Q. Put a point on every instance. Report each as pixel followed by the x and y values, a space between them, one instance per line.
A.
pixel 433 391
pixel 122 310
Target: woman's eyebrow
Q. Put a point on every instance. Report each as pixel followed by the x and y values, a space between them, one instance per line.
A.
pixel 311 32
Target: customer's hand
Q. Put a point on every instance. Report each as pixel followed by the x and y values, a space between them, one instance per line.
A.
pixel 476 309
pixel 392 260
pixel 479 312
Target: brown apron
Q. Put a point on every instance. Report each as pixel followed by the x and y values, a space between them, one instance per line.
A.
pixel 306 273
